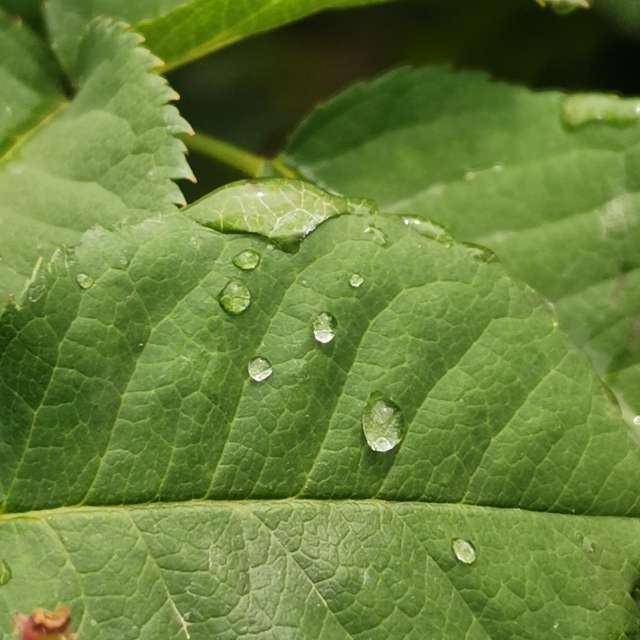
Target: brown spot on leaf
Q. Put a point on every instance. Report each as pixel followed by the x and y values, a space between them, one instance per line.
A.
pixel 44 625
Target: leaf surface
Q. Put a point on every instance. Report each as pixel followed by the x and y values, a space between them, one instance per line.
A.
pixel 106 156
pixel 497 165
pixel 179 31
pixel 124 384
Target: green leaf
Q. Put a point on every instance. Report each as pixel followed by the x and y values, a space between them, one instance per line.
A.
pixel 177 30
pixel 497 165
pixel 107 156
pixel 125 383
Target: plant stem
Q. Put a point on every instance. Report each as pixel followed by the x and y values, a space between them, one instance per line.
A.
pixel 249 163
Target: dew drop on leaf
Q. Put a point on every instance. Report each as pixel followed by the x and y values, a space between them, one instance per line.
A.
pixel 234 298
pixel 247 260
pixel 480 253
pixel 378 236
pixel 428 229
pixel 356 281
pixel 463 550
pixel 5 572
pixel 324 328
pixel 259 369
pixel 382 424
pixel 84 281
pixel 582 108
pixel 636 421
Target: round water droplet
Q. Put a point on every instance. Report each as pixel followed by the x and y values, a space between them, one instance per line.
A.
pixel 234 298
pixel 259 369
pixel 378 236
pixel 324 328
pixel 84 281
pixel 247 260
pixel 356 281
pixel 428 229
pixel 636 421
pixel 588 545
pixel 5 572
pixel 382 424
pixel 463 550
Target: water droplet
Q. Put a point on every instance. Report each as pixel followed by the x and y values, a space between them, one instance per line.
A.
pixel 463 550
pixel 234 298
pixel 582 108
pixel 563 7
pixel 5 572
pixel 382 424
pixel 84 281
pixel 324 328
pixel 378 236
pixel 588 545
pixel 247 260
pixel 259 369
pixel 356 281
pixel 480 253
pixel 636 421
pixel 428 229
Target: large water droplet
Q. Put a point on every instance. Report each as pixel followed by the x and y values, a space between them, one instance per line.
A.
pixel 235 298
pixel 378 236
pixel 324 328
pixel 581 108
pixel 259 369
pixel 563 7
pixel 84 281
pixel 428 229
pixel 5 572
pixel 247 260
pixel 382 424
pixel 463 550
pixel 356 281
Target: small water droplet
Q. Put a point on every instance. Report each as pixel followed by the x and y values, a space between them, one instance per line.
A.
pixel 234 298
pixel 582 108
pixel 588 545
pixel 480 253
pixel 247 260
pixel 5 573
pixel 356 281
pixel 84 281
pixel 382 424
pixel 463 550
pixel 428 229
pixel 636 421
pixel 259 369
pixel 563 7
pixel 556 625
pixel 324 328
pixel 378 236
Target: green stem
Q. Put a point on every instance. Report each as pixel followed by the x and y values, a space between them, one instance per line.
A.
pixel 249 163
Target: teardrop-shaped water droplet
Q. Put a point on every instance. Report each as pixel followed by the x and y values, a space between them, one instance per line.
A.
pixel 259 369
pixel 234 298
pixel 84 281
pixel 324 327
pixel 356 281
pixel 378 236
pixel 463 550
pixel 428 229
pixel 382 424
pixel 5 572
pixel 480 253
pixel 247 260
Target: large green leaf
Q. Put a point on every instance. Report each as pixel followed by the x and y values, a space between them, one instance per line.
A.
pixel 105 157
pixel 124 383
pixel 177 30
pixel 497 165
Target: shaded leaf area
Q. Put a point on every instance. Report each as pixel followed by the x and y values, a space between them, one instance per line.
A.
pixel 497 165
pixel 180 31
pixel 124 380
pixel 106 157
pixel 330 570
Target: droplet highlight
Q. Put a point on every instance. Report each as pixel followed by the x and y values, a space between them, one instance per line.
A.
pixel 377 235
pixel 324 328
pixel 582 108
pixel 463 550
pixel 636 421
pixel 382 424
pixel 259 369
pixel 480 253
pixel 356 281
pixel 234 298
pixel 84 281
pixel 428 229
pixel 247 260
pixel 5 573
pixel 564 7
